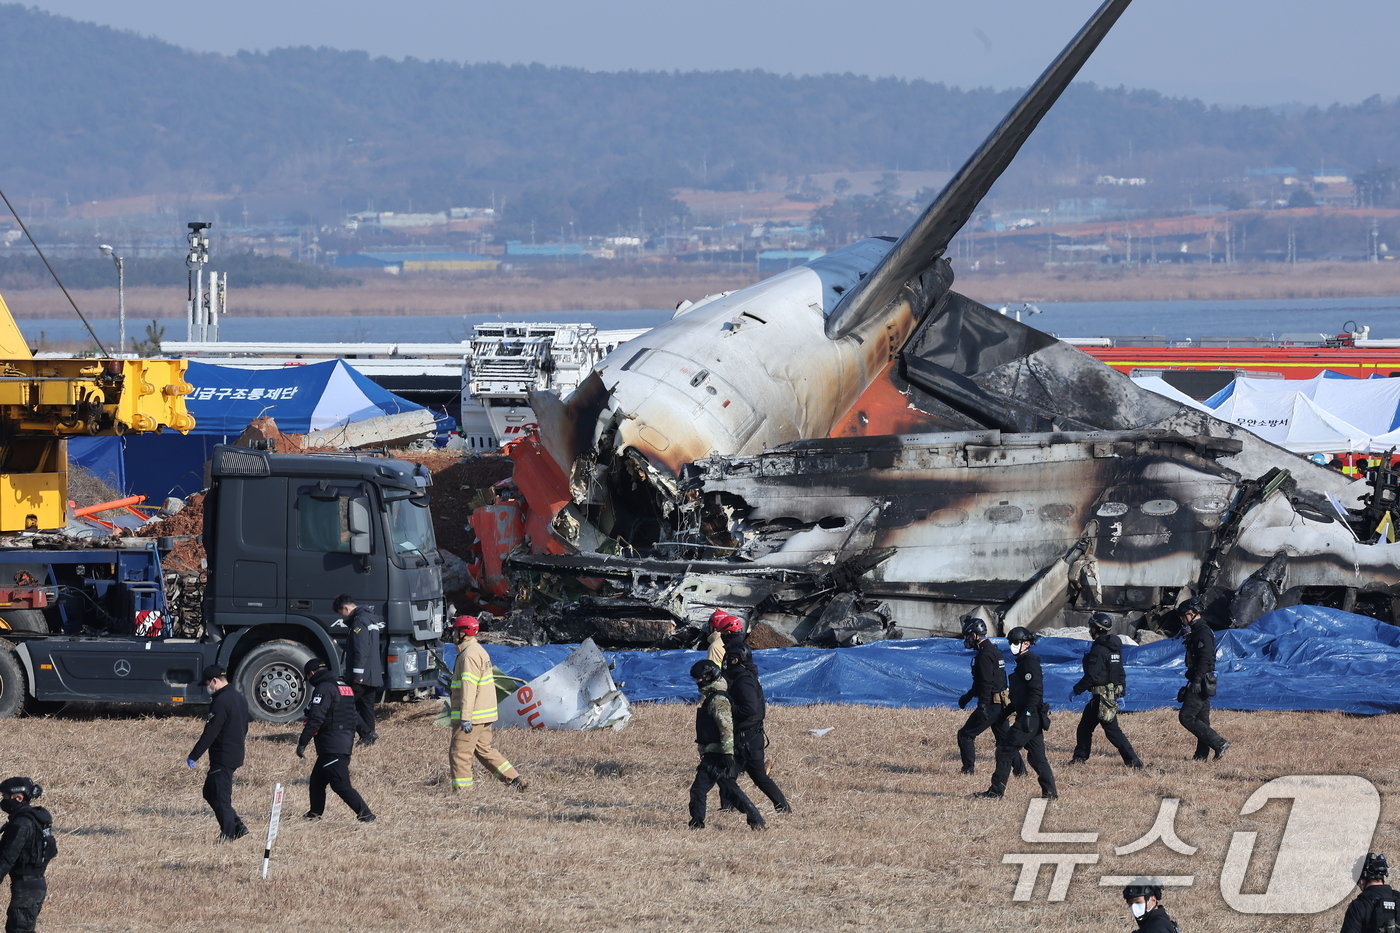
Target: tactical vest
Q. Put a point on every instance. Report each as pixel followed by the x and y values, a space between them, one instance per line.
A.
pixel 342 715
pixel 706 729
pixel 1383 915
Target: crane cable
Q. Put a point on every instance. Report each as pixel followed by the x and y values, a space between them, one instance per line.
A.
pixel 20 221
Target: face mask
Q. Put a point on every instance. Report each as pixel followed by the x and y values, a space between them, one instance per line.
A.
pixel 1020 648
pixel 10 805
pixel 1139 910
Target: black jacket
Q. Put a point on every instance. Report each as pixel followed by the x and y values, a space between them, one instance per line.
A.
pixel 1103 663
pixel 330 716
pixel 1157 921
pixel 225 729
pixel 364 654
pixel 1359 911
pixel 745 696
pixel 988 672
pixel 1027 691
pixel 17 844
pixel 1200 651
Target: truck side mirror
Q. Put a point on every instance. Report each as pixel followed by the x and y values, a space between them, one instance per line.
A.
pixel 358 515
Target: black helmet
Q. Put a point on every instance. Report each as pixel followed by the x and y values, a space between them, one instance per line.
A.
pixel 737 655
pixel 1195 604
pixel 1101 622
pixel 1020 634
pixel 1375 867
pixel 32 791
pixel 312 666
pixel 971 625
pixel 1142 888
pixel 704 672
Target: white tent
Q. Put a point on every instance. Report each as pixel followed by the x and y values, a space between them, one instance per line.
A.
pixel 1324 414
pixel 1165 389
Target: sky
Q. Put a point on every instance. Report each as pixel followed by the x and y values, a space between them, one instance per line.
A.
pixel 1260 52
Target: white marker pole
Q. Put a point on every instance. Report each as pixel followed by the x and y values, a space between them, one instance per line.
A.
pixel 272 826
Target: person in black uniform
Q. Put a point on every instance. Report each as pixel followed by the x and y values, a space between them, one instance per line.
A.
pixel 1376 905
pixel 1027 728
pixel 714 737
pixel 364 661
pixel 989 689
pixel 26 845
pixel 1145 901
pixel 749 709
pixel 1105 679
pixel 330 720
pixel 225 733
pixel 1200 682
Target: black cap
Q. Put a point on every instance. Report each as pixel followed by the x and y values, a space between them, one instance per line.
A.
pixel 312 666
pixel 212 671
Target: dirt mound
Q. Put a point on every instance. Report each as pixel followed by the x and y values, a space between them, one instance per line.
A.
pixel 458 485
pixel 187 527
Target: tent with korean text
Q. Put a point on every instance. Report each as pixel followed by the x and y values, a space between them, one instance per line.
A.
pixel 301 399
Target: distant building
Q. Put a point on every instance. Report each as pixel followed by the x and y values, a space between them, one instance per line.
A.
pixel 776 260
pixel 408 263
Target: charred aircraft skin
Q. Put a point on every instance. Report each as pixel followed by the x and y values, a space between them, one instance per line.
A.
pixel 729 454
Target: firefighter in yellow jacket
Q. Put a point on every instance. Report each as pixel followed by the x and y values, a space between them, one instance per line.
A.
pixel 474 710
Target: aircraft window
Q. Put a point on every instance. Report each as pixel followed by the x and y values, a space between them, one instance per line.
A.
pixel 1111 509
pixel 1004 514
pixel 1057 512
pixel 1159 507
pixel 1208 504
pixel 832 521
pixel 948 518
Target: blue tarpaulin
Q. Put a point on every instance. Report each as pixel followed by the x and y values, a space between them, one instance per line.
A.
pixel 1301 658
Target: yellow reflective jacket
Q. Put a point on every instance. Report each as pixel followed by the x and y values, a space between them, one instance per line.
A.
pixel 473 686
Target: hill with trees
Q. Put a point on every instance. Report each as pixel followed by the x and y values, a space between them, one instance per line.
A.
pixel 313 133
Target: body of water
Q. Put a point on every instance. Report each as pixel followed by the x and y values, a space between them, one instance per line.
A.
pixel 1171 319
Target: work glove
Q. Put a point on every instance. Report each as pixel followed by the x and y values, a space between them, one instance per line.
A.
pixel 731 767
pixel 1181 695
pixel 301 750
pixel 190 763
pixel 466 727
pixel 965 699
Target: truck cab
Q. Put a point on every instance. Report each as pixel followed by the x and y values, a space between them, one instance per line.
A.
pixel 285 535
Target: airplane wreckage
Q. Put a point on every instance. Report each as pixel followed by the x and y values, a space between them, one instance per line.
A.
pixel 851 451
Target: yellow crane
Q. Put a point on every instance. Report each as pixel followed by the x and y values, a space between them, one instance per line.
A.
pixel 43 402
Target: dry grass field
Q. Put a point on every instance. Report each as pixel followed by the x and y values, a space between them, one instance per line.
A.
pixel 884 836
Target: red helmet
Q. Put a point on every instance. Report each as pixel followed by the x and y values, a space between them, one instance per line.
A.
pixel 466 625
pixel 722 621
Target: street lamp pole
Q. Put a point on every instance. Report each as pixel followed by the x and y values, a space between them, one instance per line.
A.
pixel 121 297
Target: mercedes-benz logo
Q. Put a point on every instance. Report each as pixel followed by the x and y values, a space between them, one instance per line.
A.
pixel 122 667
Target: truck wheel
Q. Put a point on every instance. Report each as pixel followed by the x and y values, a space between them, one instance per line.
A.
pixel 270 677
pixel 24 620
pixel 11 683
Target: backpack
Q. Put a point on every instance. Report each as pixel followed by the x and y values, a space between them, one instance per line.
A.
pixel 1383 916
pixel 43 845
